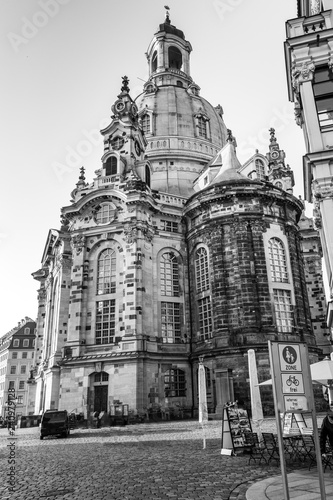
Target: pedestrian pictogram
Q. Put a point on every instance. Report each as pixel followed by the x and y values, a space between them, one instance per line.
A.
pixel 290 359
pixel 289 355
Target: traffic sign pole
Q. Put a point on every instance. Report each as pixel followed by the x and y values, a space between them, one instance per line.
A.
pixel 278 421
pixel 293 393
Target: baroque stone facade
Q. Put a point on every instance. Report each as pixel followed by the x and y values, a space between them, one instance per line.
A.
pixel 173 251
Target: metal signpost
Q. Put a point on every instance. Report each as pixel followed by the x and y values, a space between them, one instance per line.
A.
pixel 292 392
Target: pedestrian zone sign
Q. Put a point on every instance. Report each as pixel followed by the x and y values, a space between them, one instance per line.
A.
pixel 291 376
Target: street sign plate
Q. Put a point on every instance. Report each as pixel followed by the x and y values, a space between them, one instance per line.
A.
pixel 290 358
pixel 292 383
pixel 295 403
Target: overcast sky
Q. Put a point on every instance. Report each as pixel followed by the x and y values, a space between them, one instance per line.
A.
pixel 62 66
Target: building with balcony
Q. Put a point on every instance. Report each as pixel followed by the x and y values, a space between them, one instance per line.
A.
pixel 309 62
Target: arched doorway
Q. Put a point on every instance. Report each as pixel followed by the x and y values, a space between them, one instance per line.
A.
pixel 100 384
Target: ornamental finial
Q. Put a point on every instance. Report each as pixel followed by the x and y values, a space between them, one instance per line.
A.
pixel 229 135
pixel 125 87
pixel 82 172
pixel 272 133
pixel 167 14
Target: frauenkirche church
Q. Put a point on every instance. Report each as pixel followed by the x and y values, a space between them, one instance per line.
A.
pixel 173 251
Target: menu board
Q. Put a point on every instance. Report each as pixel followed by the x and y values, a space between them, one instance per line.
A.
pixel 235 424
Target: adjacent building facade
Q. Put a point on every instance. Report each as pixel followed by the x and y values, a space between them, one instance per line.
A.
pixel 173 252
pixel 17 359
pixel 309 60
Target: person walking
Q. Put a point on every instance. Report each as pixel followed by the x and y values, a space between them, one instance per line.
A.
pixel 326 432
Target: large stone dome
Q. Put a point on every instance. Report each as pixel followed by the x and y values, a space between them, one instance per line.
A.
pixel 183 130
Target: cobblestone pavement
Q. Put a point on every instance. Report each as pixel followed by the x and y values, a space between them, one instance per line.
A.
pixel 147 461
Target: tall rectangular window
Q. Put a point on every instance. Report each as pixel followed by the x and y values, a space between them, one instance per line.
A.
pixel 170 322
pixel 323 94
pixel 205 318
pixel 105 321
pixel 11 384
pixel 23 369
pixel 13 370
pixel 145 123
pixel 202 128
pixel 283 310
pixel 21 384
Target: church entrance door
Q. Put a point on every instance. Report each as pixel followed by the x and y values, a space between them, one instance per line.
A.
pixel 101 398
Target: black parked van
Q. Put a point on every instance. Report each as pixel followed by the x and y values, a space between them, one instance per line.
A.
pixel 54 423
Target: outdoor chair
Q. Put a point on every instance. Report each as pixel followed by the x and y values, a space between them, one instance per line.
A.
pixel 271 447
pixel 308 450
pixel 254 447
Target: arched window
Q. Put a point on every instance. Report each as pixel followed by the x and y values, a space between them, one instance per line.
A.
pixel 204 309
pixel 174 383
pixel 277 259
pixel 260 169
pixel 111 166
pixel 179 83
pixel 175 58
pixel 169 275
pixel 147 172
pixel 145 123
pixel 201 270
pixel 106 272
pixel 154 62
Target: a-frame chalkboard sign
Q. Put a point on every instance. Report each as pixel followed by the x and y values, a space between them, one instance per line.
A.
pixel 235 424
